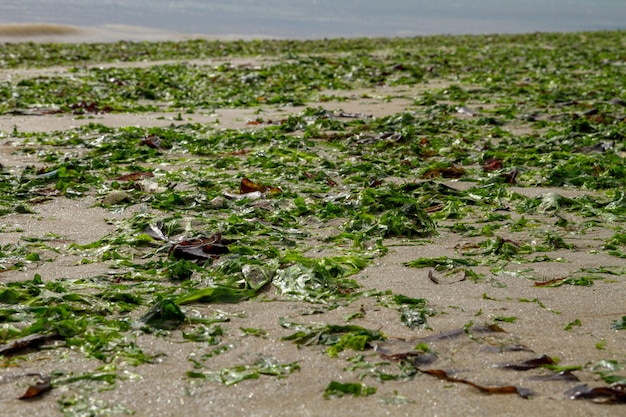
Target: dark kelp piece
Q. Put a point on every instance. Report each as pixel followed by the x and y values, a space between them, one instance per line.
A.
pixel 37 389
pixel 248 186
pixel 550 283
pixel 506 348
pixel 199 249
pixel 447 277
pixel 529 364
pixel 507 389
pixel 613 394
pixel 566 376
pixel 32 341
pixel 492 164
pixel 511 176
pixel 452 172
pixel 154 142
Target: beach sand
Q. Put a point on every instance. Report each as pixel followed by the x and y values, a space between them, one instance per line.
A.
pixel 161 389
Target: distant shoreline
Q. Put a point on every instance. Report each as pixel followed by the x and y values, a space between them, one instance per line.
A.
pixel 56 33
pixel 46 32
pixel 36 29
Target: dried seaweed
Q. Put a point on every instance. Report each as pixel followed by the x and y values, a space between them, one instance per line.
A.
pixel 199 250
pixel 613 394
pixel 43 385
pixel 507 389
pixel 32 341
pixel 567 376
pixel 526 365
pixel 248 186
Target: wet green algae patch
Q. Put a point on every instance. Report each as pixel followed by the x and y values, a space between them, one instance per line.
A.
pixel 297 210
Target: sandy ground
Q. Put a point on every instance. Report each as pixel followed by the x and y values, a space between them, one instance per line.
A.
pixel 162 390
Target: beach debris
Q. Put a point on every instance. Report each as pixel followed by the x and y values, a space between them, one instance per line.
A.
pixel 566 376
pixel 336 337
pixel 613 394
pixel 422 355
pixel 414 357
pixel 339 389
pixel 155 231
pixel 248 186
pixel 153 141
pixel 83 107
pixel 238 152
pixel 217 202
pixel 40 387
pixel 375 183
pixel 466 111
pixel 116 197
pixel 619 324
pixel 468 331
pixel 256 195
pixel 35 111
pixel 510 177
pixel 446 277
pixel 599 147
pixel 257 276
pixel 308 241
pixel 506 348
pixel 441 263
pixel 180 270
pixel 164 315
pixel 555 282
pixel 264 366
pixel 251 190
pixel 135 176
pixel 200 250
pixel 217 294
pixel 507 389
pixel 357 115
pixel 450 172
pixel 31 341
pixel 370 139
pixel 492 164
pixel 529 364
pixel 413 311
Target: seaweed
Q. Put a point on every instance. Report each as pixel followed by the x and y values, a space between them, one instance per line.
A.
pixel 301 206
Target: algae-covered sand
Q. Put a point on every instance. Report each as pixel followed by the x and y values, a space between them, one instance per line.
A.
pixel 336 227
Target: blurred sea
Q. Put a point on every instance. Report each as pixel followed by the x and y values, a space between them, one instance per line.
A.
pixel 307 19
